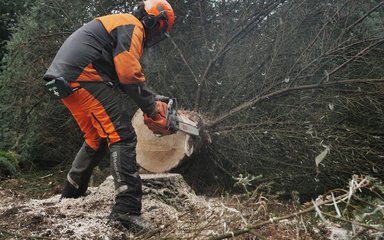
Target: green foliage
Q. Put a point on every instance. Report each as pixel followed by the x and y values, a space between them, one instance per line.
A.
pixel 9 13
pixel 9 164
pixel 39 129
pixel 31 123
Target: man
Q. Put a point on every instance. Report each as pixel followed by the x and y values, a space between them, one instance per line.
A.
pixel 91 72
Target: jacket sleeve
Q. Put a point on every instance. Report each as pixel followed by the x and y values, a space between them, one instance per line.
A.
pixel 127 53
pixel 128 34
pixel 142 96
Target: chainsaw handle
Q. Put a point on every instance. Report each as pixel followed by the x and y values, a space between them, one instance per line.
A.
pixel 170 104
pixel 171 116
pixel 169 112
pixel 167 100
pixel 162 98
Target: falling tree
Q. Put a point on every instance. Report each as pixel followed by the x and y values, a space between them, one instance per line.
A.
pixel 287 92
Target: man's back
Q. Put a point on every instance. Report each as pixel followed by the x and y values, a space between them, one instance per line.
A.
pixel 87 45
pixel 108 48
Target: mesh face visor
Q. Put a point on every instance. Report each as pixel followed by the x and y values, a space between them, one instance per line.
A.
pixel 155 34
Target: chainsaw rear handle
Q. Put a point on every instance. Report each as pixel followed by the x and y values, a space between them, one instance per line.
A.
pixel 172 102
pixel 171 117
pixel 162 98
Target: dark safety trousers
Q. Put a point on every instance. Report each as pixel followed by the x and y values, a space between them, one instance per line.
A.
pixel 101 113
pixel 78 177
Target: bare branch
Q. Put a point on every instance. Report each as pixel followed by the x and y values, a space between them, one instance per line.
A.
pixel 361 19
pixel 315 39
pixel 258 99
pixel 359 54
pixel 251 227
pixel 184 60
pixel 226 45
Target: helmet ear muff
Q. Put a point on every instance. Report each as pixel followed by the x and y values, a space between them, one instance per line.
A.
pixel 150 21
pixel 138 11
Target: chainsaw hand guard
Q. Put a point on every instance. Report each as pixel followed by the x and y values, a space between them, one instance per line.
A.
pixel 157 123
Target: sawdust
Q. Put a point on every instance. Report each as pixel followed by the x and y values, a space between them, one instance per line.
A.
pixel 171 206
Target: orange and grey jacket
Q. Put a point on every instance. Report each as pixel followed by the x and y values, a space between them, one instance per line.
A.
pixel 106 49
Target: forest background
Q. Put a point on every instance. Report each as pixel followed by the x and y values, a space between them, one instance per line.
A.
pixel 289 91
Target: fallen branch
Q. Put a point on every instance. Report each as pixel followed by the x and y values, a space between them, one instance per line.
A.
pixel 18 236
pixel 367 226
pixel 251 227
pixel 283 91
pixel 224 48
pixel 362 18
pixel 359 54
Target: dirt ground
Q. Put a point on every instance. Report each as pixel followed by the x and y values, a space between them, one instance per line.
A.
pixel 169 204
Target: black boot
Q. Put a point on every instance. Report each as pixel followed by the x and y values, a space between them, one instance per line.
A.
pixel 69 191
pixel 134 223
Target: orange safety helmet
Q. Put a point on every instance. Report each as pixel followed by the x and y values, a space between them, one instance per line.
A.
pixel 157 17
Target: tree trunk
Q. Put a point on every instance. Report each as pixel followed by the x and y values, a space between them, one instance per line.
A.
pixel 160 154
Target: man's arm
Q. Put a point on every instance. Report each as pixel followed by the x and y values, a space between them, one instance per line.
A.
pixel 128 36
pixel 142 96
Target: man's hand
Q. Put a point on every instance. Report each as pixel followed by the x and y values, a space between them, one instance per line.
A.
pixel 157 123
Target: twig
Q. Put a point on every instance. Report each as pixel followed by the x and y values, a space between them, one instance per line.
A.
pixel 259 17
pixel 335 204
pixel 380 229
pixel 18 236
pixel 350 193
pixel 349 28
pixel 251 227
pixel 184 60
pixel 258 236
pixel 318 212
pixel 46 176
pixel 359 54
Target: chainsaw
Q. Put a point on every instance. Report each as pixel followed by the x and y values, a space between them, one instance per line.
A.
pixel 175 122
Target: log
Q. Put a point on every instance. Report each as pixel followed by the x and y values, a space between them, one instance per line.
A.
pixel 159 154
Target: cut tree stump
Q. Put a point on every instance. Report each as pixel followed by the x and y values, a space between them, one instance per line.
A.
pixel 161 154
pixel 170 186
